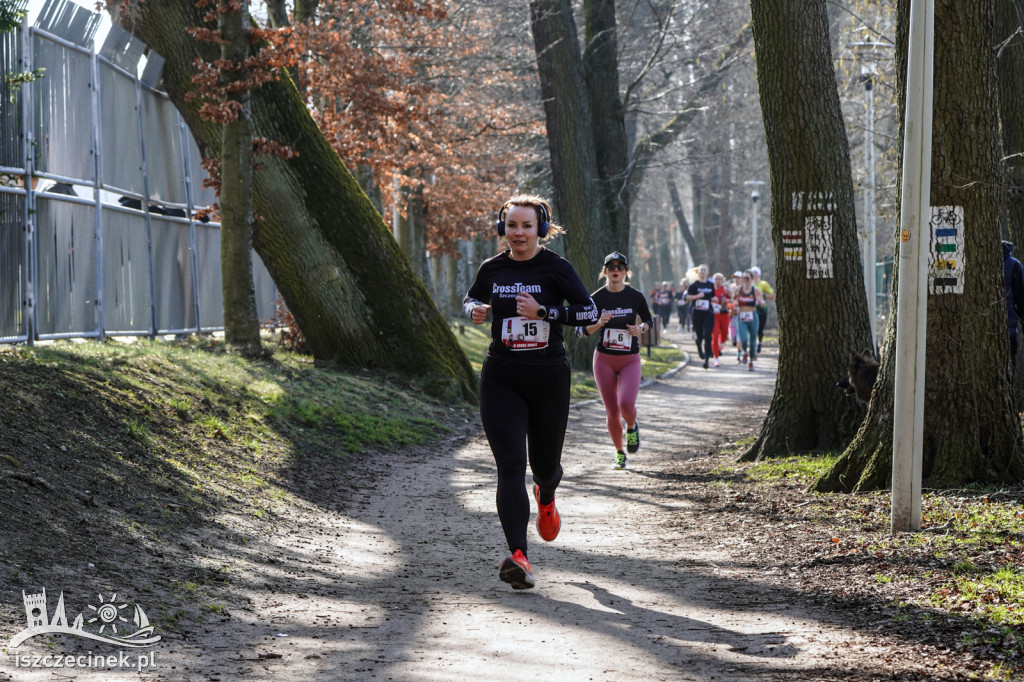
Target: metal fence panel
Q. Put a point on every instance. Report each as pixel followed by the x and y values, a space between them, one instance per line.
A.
pixel 12 267
pixel 172 273
pixel 126 289
pixel 62 111
pixel 12 154
pixel 266 293
pixel 119 129
pixel 93 267
pixel 166 174
pixel 211 302
pixel 66 285
pixel 201 196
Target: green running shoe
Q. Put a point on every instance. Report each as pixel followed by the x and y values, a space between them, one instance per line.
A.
pixel 620 460
pixel 633 436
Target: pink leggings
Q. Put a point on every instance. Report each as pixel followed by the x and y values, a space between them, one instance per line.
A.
pixel 618 379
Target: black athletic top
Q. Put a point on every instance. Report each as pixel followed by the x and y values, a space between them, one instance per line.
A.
pixel 626 306
pixel 551 280
pixel 707 291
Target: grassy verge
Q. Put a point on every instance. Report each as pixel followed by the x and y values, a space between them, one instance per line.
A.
pixel 127 454
pixel 475 340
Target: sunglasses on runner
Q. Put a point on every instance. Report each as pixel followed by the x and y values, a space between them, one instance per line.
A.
pixel 615 266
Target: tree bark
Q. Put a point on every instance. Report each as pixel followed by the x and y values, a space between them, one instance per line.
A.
pixel 970 429
pixel 329 252
pixel 822 309
pixel 241 321
pixel 601 69
pixel 573 154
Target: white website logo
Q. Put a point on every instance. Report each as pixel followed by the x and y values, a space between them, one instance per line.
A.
pixel 112 623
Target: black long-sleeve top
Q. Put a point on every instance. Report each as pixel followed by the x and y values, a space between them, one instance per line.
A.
pixel 626 306
pixel 553 282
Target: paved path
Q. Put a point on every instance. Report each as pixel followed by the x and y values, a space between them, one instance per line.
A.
pixel 401 583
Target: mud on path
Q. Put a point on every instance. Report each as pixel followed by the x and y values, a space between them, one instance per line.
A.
pixel 390 570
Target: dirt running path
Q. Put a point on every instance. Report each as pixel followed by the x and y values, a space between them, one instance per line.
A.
pixel 401 582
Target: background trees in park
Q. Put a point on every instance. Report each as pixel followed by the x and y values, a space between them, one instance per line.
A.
pixel 335 263
pixel 601 138
pixel 971 432
pixel 822 312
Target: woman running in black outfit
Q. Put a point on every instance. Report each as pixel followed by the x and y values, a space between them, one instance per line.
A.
pixel 617 367
pixel 701 294
pixel 524 382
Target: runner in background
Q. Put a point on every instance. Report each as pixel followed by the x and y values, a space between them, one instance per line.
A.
pixel 666 299
pixel 768 294
pixel 623 317
pixel 747 298
pixel 700 294
pixel 524 382
pixel 737 278
pixel 682 307
pixel 721 304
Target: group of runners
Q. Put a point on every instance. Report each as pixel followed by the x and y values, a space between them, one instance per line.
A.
pixel 718 310
pixel 530 294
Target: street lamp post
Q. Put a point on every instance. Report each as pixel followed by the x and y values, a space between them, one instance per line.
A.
pixel 868 51
pixel 755 195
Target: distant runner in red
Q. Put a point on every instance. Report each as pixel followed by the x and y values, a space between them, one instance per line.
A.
pixel 524 382
pixel 624 316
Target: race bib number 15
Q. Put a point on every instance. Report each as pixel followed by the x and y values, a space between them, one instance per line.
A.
pixel 519 333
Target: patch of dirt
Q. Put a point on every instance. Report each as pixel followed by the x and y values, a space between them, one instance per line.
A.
pixel 678 568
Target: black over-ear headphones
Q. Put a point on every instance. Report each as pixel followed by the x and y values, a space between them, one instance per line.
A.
pixel 542 228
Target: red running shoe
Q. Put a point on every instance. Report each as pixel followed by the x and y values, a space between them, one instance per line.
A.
pixel 548 520
pixel 515 570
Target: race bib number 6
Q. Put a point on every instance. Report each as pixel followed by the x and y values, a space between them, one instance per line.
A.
pixel 617 339
pixel 519 333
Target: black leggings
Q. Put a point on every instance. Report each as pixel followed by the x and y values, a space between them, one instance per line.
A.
pixel 524 408
pixel 704 325
pixel 762 320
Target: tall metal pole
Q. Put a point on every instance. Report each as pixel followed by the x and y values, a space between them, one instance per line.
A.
pixel 912 298
pixel 755 194
pixel 867 51
pixel 869 207
pixel 753 228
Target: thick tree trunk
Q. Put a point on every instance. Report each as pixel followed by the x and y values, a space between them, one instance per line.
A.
pixel 241 321
pixel 822 310
pixel 970 430
pixel 573 155
pixel 333 259
pixel 601 68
